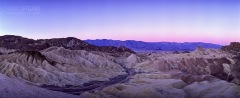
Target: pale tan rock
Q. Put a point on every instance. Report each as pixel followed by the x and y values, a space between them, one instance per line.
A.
pixel 12 88
pixel 214 89
pixel 226 68
pixel 59 66
pixel 6 51
pixel 150 88
pixel 144 86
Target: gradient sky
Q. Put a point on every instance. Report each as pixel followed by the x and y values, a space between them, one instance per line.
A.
pixel 212 21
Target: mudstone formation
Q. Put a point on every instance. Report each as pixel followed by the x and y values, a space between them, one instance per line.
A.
pixel 69 68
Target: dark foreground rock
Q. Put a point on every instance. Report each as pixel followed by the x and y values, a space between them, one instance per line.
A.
pixel 234 47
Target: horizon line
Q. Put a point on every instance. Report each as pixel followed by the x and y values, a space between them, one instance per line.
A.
pixel 122 40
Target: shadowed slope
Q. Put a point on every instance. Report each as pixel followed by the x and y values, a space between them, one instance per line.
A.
pixel 58 66
pixel 12 88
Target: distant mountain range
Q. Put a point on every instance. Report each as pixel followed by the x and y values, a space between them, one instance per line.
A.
pixel 104 45
pixel 153 46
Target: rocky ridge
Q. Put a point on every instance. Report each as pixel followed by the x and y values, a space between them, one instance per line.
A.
pixel 234 47
pixel 24 44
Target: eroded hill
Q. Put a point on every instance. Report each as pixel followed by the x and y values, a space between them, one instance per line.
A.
pixel 69 65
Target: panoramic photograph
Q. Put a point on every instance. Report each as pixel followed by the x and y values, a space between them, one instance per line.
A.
pixel 119 49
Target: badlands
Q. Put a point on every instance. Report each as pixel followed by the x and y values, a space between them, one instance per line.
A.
pixel 71 68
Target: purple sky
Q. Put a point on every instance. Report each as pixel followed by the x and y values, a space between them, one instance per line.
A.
pixel 213 21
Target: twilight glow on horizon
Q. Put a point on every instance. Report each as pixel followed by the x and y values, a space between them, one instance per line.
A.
pixel 211 21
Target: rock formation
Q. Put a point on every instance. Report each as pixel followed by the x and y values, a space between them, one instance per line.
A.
pixel 233 47
pixel 25 44
pixel 160 85
pixel 72 66
pixel 58 66
pixel 12 88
